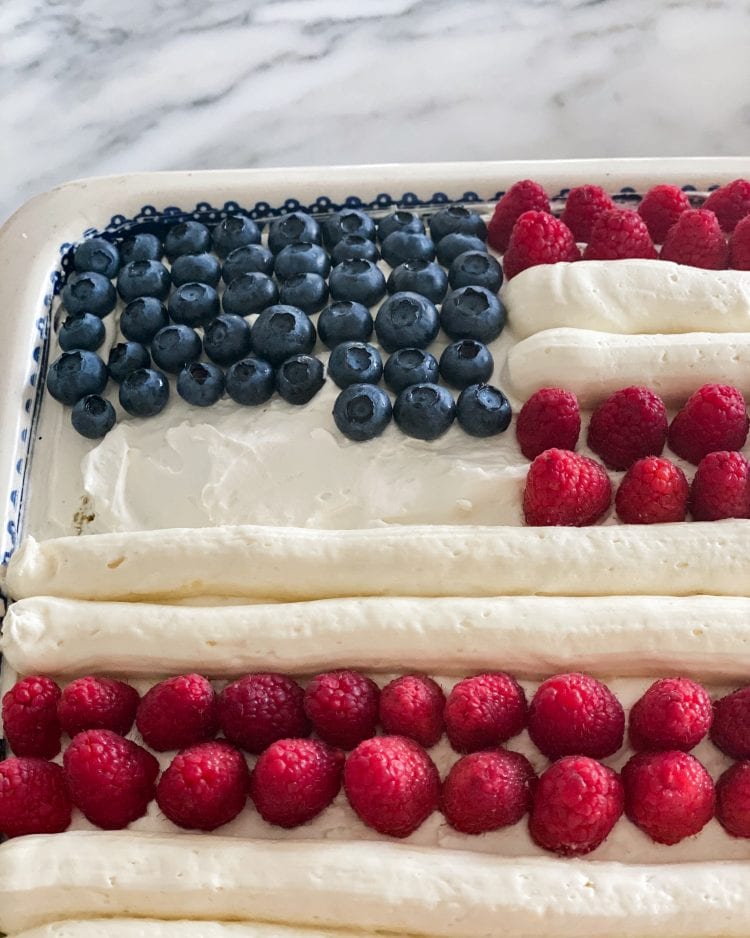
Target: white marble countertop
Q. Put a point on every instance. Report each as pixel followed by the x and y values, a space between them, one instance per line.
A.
pixel 91 87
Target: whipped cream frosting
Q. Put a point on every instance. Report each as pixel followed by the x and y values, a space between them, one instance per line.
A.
pixel 151 928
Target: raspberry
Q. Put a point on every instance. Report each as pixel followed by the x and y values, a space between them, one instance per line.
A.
pixel 294 780
pixel 111 779
pixel 98 703
pixel 653 491
pixel 669 795
pixel 30 720
pixel 617 234
pixel 343 707
pixel 575 714
pixel 33 797
pixel 178 712
pixel 733 800
pixel 714 418
pixel 412 706
pixel 565 488
pixel 538 238
pixel 674 713
pixel 485 791
pixel 204 786
pixel 739 246
pixel 721 487
pixel 630 424
pixel 696 239
pixel 576 804
pixel 392 784
pixel 730 204
pixel 258 709
pixel 484 711
pixel 582 207
pixel 550 418
pixel 730 730
pixel 660 209
pixel 523 196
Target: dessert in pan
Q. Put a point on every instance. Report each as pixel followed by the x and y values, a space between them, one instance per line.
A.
pixel 393 574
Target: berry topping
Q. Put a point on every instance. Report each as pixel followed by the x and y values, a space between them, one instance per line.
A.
pixel 583 206
pixel 392 784
pixel 475 269
pixel 730 730
pixel 523 196
pixel 300 378
pixel 733 800
pixel 412 706
pixel 577 802
pixel 145 392
pixel 482 410
pixel 93 416
pixel 653 491
pixel 280 332
pixel 402 246
pixel 426 278
pixel 93 293
pixel 259 709
pixel 565 488
pixel 30 720
pixel 142 278
pixel 196 304
pixel 410 366
pixel 143 318
pixel 485 791
pixel 538 238
pixel 456 218
pixel 296 226
pixel 362 412
pixel 306 291
pixel 294 780
pixel 200 384
pixel 660 208
pixel 34 797
pixel 714 418
pixel 125 357
pixel 696 239
pixel 84 331
pixel 739 246
pixel 76 374
pixel 353 246
pixel 401 220
pixel 174 346
pixel 345 322
pixel 248 259
pixel 358 280
pixel 178 712
pixel 674 713
pixel 301 257
pixel 484 711
pixel 472 312
pixel 617 234
pixel 187 237
pixel 424 411
pixel 227 339
pixel 456 243
pixel 347 221
pixel 669 795
pixel 250 381
pixel 730 204
pixel 141 247
pixel 234 232
pixel 196 268
pixel 98 703
pixel 550 419
pixel 721 487
pixel 343 707
pixel 98 255
pixel 246 294
pixel 355 363
pixel 629 425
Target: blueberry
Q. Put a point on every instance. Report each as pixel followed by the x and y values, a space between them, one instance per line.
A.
pixel 456 218
pixel 466 362
pixel 93 417
pixel 143 318
pixel 189 237
pixel 309 292
pixel 75 374
pixel 141 247
pixel 300 378
pixel 126 357
pixel 455 243
pixel 362 412
pixel 424 411
pixel 349 221
pixel 401 220
pixel 250 259
pixel 357 280
pixel 200 383
pixel 345 321
pixel 281 332
pixel 84 331
pixel 89 293
pixel 297 226
pixel 143 278
pixel 301 257
pixel 249 293
pixel 250 381
pixel 407 246
pixel 175 346
pixel 194 304
pixel 483 410
pixel 355 363
pixel 227 339
pixel 472 313
pixel 406 320
pixel 234 232
pixel 145 392
pixel 196 268
pixel 98 255
pixel 410 366
pixel 475 269
pixel 424 277
pixel 351 247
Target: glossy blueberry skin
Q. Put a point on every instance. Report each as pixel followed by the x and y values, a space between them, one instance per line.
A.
pixel 400 220
pixel 234 232
pixel 189 237
pixel 89 293
pixel 475 269
pixel 406 320
pixel 424 411
pixel 98 255
pixel 424 277
pixel 143 278
pixel 466 362
pixel 249 293
pixel 144 393
pixel 348 221
pixel 227 339
pixel 351 247
pixel 456 218
pixel 141 247
pixel 343 322
pixel 143 318
pixel 93 417
pixel 362 412
pixel 75 374
pixel 404 246
pixel 483 410
pixel 194 304
pixel 308 292
pixel 281 332
pixel 174 346
pixel 410 366
pixel 125 357
pixel 250 259
pixel 84 331
pixel 297 226
pixel 472 313
pixel 455 243
pixel 301 257
pixel 358 280
pixel 200 383
pixel 250 381
pixel 355 363
pixel 196 268
pixel 300 378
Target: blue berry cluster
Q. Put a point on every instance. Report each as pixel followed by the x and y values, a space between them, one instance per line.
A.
pixel 188 299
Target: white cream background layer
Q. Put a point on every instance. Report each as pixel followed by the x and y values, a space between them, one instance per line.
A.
pixel 151 928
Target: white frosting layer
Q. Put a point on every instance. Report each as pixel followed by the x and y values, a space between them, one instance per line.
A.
pixel 151 928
